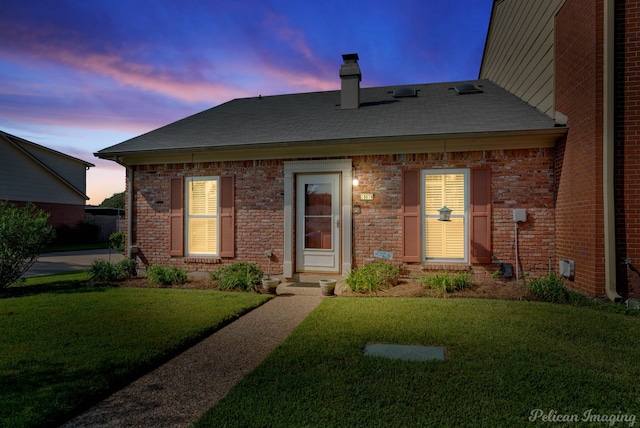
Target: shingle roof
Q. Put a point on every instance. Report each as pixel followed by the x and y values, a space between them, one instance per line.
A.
pixel 438 110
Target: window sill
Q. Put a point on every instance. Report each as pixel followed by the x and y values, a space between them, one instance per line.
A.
pixel 203 260
pixel 446 266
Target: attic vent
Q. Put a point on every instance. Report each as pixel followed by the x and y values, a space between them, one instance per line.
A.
pixel 404 92
pixel 468 88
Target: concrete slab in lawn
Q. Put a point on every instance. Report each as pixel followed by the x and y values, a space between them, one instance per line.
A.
pixel 404 352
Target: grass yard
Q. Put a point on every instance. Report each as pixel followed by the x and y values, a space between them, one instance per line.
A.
pixel 65 349
pixel 505 359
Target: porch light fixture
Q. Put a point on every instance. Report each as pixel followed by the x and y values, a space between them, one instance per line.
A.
pixel 356 181
pixel 445 214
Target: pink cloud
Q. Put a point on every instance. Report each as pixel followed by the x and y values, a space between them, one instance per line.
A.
pixel 299 80
pixel 77 119
pixel 116 66
pixel 294 37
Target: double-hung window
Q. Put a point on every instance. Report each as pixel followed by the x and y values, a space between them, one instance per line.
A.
pixel 202 216
pixel 201 219
pixel 466 236
pixel 445 240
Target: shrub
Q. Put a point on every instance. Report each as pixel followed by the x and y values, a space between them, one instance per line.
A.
pixel 374 276
pixel 440 282
pixel 240 275
pixel 461 279
pixel 129 267
pixel 103 271
pixel 445 282
pixel 116 241
pixel 166 275
pixel 23 234
pixel 548 288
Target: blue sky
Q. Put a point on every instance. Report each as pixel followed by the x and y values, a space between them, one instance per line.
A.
pixel 81 75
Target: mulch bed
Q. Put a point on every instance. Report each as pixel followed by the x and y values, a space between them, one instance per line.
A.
pixel 406 288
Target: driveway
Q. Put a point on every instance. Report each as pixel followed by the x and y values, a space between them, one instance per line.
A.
pixel 69 261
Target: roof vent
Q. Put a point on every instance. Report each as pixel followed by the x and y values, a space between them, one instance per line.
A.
pixel 404 92
pixel 350 76
pixel 468 88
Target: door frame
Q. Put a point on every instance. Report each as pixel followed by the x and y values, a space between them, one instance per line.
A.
pixel 291 168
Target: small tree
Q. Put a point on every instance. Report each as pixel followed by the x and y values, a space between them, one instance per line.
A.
pixel 117 241
pixel 114 201
pixel 23 234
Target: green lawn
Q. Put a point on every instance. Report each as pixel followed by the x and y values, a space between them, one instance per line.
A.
pixel 64 349
pixel 505 360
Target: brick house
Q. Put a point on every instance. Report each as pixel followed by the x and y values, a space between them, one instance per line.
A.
pixel 329 180
pixel 52 181
pixel 577 62
pixel 550 127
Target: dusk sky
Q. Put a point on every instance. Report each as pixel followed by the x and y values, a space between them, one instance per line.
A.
pixel 79 76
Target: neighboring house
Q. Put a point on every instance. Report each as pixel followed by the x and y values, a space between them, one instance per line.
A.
pixel 279 173
pixel 576 61
pixel 52 181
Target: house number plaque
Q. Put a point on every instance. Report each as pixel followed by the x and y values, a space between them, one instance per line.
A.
pixel 366 196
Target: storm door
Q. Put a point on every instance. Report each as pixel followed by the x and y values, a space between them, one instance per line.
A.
pixel 318 223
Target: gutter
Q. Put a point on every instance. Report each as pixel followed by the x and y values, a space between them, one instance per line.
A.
pixel 608 151
pixel 552 133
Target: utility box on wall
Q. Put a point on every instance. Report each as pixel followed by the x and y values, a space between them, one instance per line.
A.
pixel 520 215
pixel 566 268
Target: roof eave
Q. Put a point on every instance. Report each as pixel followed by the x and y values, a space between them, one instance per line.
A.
pixel 14 139
pixel 463 141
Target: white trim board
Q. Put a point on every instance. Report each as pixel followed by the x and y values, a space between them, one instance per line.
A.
pixel 343 166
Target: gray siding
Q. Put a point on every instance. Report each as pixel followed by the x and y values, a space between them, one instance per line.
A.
pixel 69 168
pixel 519 54
pixel 22 179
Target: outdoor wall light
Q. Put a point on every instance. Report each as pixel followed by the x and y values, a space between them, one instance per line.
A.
pixel 356 181
pixel 445 214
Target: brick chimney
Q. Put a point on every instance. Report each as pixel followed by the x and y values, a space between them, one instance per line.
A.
pixel 350 76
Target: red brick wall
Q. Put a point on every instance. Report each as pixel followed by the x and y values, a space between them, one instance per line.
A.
pixel 579 212
pixel 521 179
pixel 259 211
pixel 627 140
pixel 59 213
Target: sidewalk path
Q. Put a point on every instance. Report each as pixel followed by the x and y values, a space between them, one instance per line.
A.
pixel 69 261
pixel 180 391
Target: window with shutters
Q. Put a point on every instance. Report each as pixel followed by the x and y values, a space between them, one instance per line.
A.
pixel 445 241
pixel 202 216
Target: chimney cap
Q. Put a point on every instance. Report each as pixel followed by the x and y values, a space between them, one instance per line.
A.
pixel 353 57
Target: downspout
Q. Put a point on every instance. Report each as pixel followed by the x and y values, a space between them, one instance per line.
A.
pixel 608 151
pixel 129 214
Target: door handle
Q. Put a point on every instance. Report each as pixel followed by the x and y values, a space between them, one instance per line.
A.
pixel 338 222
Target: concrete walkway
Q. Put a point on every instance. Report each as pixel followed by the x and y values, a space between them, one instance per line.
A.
pixel 180 391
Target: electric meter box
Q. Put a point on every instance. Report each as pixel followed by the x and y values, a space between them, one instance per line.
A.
pixel 520 214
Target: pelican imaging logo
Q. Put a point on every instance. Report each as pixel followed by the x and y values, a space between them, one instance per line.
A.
pixel 588 416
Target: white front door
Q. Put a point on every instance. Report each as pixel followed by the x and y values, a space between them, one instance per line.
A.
pixel 318 223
